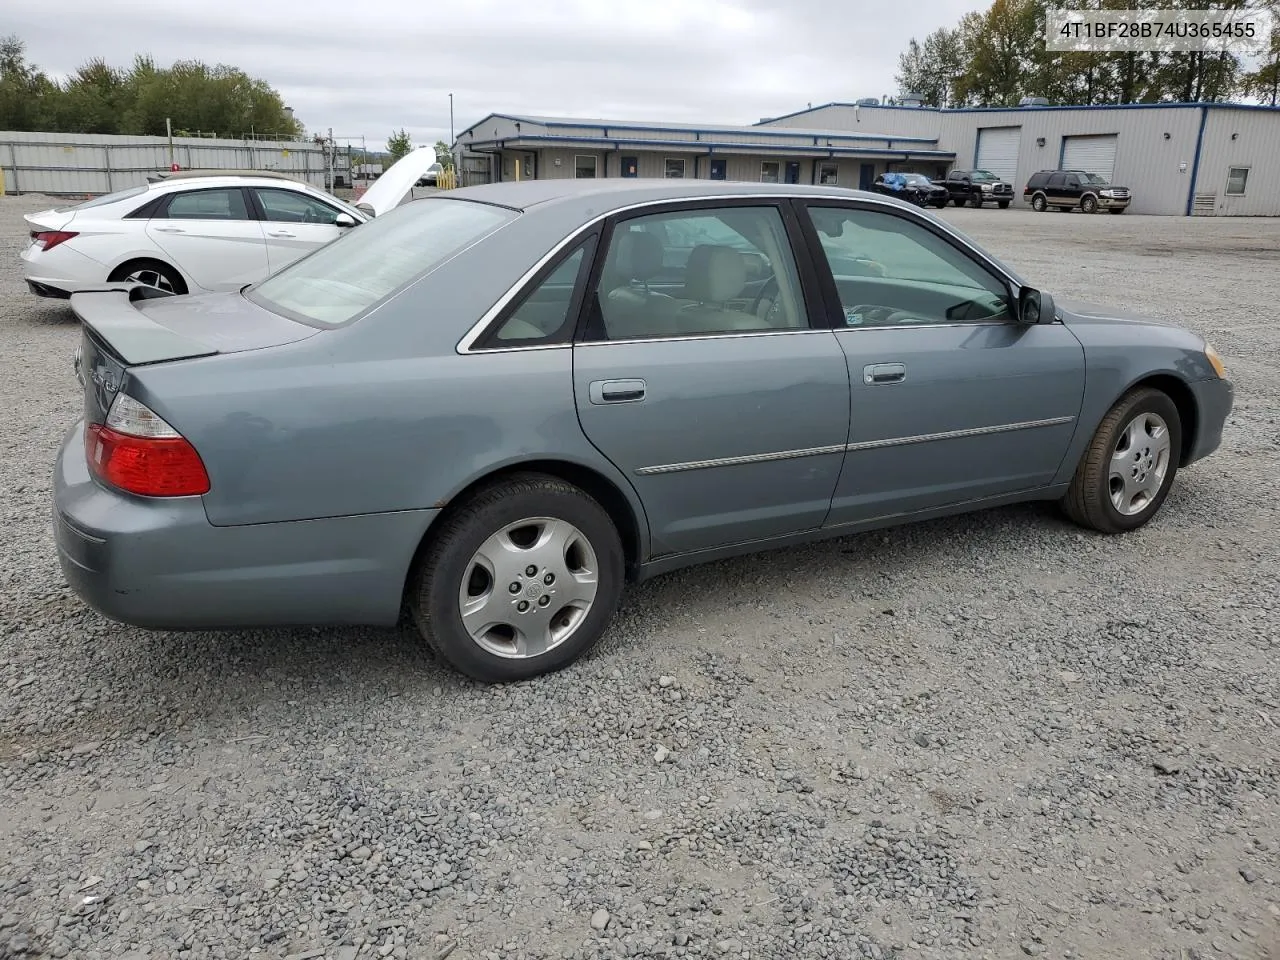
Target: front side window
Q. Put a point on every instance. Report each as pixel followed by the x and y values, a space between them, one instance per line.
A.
pixel 890 271
pixel 1237 180
pixel 674 168
pixel 584 168
pixel 545 313
pixel 828 174
pixel 375 260
pixel 224 204
pixel 290 206
pixel 769 171
pixel 698 272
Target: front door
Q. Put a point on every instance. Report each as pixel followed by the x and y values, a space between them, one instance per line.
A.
pixel 294 224
pixel 866 176
pixel 710 390
pixel 719 168
pixel 213 236
pixel 793 172
pixel 952 399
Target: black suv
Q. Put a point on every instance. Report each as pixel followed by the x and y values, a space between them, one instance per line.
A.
pixel 1068 189
pixel 977 187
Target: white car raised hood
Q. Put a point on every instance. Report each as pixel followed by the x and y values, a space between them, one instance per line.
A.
pixel 397 180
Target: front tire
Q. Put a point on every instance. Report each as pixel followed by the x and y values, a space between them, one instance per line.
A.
pixel 1089 205
pixel 1128 468
pixel 1003 204
pixel 976 199
pixel 1117 210
pixel 1039 204
pixel 520 580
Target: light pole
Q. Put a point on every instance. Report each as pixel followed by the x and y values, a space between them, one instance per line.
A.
pixel 451 123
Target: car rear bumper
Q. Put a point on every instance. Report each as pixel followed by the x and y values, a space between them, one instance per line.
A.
pixel 160 564
pixel 1214 401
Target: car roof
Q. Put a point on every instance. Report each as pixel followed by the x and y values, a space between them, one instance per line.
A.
pixel 202 182
pixel 604 195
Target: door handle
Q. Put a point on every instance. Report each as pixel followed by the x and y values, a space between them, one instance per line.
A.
pixel 616 391
pixel 280 233
pixel 169 230
pixel 874 373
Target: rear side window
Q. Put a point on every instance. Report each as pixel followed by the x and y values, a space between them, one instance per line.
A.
pixel 105 199
pixel 1057 180
pixel 375 260
pixel 218 204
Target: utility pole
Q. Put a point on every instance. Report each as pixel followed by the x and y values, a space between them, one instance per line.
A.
pixel 331 148
pixel 168 129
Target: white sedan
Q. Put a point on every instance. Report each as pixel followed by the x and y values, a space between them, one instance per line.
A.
pixel 198 233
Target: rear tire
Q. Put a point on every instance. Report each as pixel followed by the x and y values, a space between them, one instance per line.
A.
pixel 1039 204
pixel 484 550
pixel 150 273
pixel 1129 466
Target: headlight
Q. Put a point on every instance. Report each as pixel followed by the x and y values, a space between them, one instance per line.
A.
pixel 986 188
pixel 1215 361
pixel 1106 193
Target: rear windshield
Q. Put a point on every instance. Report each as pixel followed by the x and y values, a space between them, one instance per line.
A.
pixel 375 260
pixel 104 199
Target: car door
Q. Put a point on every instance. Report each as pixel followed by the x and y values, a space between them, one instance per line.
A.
pixel 294 223
pixel 719 400
pixel 212 236
pixel 951 398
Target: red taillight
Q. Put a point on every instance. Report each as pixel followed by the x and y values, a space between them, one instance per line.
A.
pixel 136 451
pixel 48 239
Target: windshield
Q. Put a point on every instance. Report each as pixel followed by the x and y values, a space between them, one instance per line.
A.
pixel 918 178
pixel 104 199
pixel 984 175
pixel 1094 178
pixel 376 260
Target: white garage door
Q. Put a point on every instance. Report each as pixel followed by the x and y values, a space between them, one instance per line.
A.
pixel 998 151
pixel 1090 154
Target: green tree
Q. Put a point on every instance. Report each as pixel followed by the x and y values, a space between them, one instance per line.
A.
pixel 444 156
pixel 26 94
pixel 399 144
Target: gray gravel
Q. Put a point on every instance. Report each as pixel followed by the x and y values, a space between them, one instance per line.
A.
pixel 991 736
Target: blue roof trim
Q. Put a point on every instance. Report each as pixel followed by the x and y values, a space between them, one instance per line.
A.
pixel 708 146
pixel 1091 106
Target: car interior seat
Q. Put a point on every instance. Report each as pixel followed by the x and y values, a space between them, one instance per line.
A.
pixel 629 307
pixel 715 275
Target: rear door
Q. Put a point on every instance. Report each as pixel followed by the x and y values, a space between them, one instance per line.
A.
pixel 715 395
pixel 212 235
pixel 294 224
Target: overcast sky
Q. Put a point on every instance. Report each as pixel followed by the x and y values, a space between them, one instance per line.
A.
pixel 366 68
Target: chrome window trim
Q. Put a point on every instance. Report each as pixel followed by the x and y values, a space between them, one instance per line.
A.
pixel 851 447
pixel 467 344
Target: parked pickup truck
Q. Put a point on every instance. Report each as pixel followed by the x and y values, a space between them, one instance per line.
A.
pixel 977 187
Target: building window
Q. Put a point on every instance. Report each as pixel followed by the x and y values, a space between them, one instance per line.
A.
pixel 631 166
pixel 675 168
pixel 829 174
pixel 1237 177
pixel 769 171
pixel 584 168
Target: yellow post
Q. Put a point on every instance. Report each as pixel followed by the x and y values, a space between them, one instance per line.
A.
pixel 517 168
pixel 1 181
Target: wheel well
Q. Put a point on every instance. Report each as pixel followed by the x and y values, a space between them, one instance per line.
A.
pixel 1185 401
pixel 119 272
pixel 603 490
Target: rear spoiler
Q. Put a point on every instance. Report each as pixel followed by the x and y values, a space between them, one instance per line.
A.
pixel 131 334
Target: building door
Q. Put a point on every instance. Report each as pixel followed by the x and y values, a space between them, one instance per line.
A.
pixel 631 166
pixel 719 168
pixel 1094 154
pixel 793 171
pixel 866 176
pixel 998 152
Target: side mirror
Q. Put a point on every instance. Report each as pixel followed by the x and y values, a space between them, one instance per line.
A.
pixel 344 220
pixel 1035 307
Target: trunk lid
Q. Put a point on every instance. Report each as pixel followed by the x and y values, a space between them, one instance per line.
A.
pixel 51 219
pixel 130 328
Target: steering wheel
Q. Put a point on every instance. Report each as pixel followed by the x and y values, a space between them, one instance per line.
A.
pixel 768 287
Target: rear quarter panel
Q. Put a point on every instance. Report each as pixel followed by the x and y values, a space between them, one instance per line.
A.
pixel 383 414
pixel 1120 354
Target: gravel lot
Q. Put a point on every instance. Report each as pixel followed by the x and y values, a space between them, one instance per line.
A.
pixel 991 736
